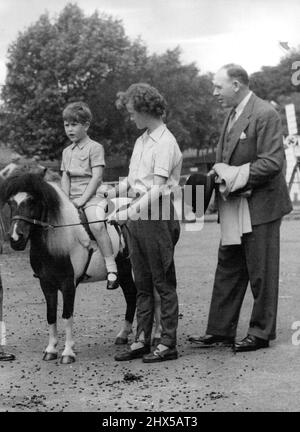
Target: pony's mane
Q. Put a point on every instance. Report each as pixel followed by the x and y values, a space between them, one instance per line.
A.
pixel 60 210
pixel 34 185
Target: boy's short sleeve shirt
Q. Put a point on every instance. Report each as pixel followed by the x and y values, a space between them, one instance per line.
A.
pixel 155 154
pixel 78 161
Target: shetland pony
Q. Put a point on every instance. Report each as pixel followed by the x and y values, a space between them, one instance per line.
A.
pixel 62 254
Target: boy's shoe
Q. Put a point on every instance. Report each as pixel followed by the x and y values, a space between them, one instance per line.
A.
pixel 112 284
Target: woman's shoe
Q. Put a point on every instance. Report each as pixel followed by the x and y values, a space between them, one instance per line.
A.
pixel 159 356
pixel 133 354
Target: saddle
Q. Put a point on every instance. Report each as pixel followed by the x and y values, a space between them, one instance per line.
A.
pixel 123 251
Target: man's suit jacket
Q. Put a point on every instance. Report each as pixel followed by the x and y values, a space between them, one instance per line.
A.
pixel 256 137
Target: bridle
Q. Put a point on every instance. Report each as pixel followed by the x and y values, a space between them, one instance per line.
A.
pixel 37 222
pixel 46 225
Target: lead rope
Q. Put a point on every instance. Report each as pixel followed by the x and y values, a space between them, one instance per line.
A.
pixel 46 225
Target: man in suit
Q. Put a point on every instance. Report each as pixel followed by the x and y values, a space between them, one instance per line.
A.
pixel 251 138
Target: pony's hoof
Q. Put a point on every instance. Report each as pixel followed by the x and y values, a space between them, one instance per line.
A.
pixel 121 341
pixel 67 359
pixel 49 356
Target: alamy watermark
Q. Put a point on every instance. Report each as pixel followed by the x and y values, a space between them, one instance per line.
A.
pixel 167 203
pixel 296 335
pixel 296 75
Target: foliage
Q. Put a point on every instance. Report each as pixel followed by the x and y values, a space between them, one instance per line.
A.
pixel 193 113
pixel 276 83
pixel 74 57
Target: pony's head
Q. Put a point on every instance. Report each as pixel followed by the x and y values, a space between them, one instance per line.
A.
pixel 29 198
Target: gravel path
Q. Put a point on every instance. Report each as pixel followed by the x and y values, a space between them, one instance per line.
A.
pixel 200 380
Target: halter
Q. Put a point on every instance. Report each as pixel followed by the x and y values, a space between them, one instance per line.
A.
pixel 46 225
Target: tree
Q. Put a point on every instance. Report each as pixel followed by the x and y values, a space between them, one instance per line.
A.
pixel 280 84
pixel 51 64
pixel 192 111
pixel 271 82
pixel 74 57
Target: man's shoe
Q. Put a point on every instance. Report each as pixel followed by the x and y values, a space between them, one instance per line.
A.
pixel 113 284
pixel 133 354
pixel 250 343
pixel 159 356
pixel 208 341
pixel 6 357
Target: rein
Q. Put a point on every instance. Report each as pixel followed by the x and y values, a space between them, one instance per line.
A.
pixel 46 225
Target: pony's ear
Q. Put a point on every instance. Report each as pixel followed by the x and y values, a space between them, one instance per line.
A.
pixel 52 176
pixel 30 167
pixel 41 171
pixel 37 169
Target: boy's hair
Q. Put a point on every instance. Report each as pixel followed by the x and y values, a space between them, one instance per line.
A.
pixel 145 99
pixel 78 112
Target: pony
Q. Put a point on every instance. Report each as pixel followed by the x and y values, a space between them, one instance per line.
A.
pixel 62 254
pixel 5 172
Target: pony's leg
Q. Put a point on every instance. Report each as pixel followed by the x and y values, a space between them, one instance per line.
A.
pixel 1 312
pixel 2 342
pixel 50 293
pixel 68 292
pixel 4 356
pixel 122 336
pixel 157 318
pixel 129 290
pixel 68 355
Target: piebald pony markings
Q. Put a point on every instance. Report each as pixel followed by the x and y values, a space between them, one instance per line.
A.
pixel 18 199
pixel 58 256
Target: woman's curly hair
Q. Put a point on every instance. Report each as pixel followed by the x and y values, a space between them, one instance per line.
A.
pixel 145 99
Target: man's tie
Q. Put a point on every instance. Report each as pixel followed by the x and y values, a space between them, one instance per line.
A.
pixel 231 120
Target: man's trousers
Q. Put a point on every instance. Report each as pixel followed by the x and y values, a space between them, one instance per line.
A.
pixel 255 260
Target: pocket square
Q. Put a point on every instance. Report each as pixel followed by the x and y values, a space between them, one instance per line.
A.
pixel 243 136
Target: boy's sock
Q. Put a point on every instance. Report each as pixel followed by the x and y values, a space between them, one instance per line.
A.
pixel 111 266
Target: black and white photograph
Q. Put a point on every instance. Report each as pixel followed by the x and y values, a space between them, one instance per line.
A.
pixel 149 209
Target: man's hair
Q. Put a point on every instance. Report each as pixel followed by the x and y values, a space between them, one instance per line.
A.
pixel 78 112
pixel 235 71
pixel 145 99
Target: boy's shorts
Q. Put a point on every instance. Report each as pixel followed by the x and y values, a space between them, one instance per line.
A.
pixel 93 201
pixel 96 201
